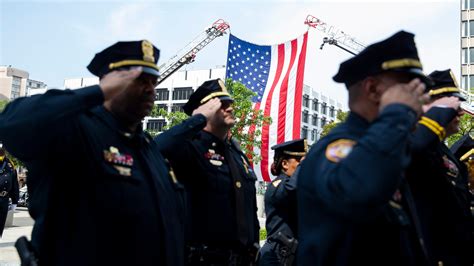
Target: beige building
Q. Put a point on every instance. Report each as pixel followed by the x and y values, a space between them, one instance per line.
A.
pixel 467 48
pixel 13 82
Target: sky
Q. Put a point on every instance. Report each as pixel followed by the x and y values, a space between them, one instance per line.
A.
pixel 56 40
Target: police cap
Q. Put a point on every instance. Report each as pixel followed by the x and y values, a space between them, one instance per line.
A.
pixel 397 53
pixel 124 55
pixel 297 148
pixel 445 84
pixel 208 90
pixel 462 146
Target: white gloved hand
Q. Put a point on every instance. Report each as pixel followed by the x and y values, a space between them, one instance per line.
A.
pixel 12 207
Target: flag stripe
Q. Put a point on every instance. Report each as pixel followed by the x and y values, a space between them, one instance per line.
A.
pixel 299 90
pixel 283 96
pixel 268 105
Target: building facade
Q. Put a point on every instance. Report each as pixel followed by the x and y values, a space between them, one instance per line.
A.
pixel 174 92
pixel 13 82
pixel 467 49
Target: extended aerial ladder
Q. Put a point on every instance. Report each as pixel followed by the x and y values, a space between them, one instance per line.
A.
pixel 335 36
pixel 188 53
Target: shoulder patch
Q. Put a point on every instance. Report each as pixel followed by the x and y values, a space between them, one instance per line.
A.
pixel 276 183
pixel 339 149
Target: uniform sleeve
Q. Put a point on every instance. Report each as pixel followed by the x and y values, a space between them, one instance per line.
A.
pixel 170 142
pixel 29 124
pixel 367 174
pixel 431 128
pixel 15 192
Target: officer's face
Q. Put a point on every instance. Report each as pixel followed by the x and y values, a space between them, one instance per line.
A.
pixel 136 102
pixel 453 126
pixel 289 166
pixel 225 115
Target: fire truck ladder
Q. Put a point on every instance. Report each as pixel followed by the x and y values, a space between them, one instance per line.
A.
pixel 335 36
pixel 188 53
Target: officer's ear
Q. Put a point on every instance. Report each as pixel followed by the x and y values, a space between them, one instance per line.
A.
pixel 372 88
pixel 285 165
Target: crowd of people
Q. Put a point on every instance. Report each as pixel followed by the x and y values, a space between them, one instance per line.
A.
pixel 382 188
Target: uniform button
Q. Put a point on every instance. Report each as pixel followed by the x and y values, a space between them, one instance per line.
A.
pixel 453 183
pixel 238 184
pixel 213 144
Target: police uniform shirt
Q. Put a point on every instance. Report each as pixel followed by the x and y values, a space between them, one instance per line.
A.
pixel 198 158
pixel 99 194
pixel 440 189
pixel 280 206
pixel 8 182
pixel 347 185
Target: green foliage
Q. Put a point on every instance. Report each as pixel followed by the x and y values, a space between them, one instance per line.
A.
pixel 263 234
pixel 3 103
pixel 466 125
pixel 246 117
pixel 340 117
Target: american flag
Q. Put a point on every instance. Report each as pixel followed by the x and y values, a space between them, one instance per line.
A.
pixel 275 73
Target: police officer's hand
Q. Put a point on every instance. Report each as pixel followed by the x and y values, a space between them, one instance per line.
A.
pixel 115 82
pixel 410 94
pixel 446 102
pixel 209 109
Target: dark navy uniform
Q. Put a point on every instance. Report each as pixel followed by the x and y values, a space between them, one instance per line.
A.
pixel 99 194
pixel 439 182
pixel 280 207
pixel 350 199
pixel 201 163
pixel 8 189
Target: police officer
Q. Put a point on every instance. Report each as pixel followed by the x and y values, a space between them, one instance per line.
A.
pixel 280 205
pixel 349 209
pixel 222 226
pixel 8 188
pixel 100 192
pixel 438 180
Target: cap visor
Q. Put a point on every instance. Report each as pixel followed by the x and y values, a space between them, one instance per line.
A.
pixel 226 98
pixel 151 71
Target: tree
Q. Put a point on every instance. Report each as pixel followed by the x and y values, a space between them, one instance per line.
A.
pixel 340 117
pixel 3 103
pixel 466 125
pixel 245 115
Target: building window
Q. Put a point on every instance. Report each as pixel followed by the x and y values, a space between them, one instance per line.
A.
pixel 162 106
pixel 306 101
pixel 182 93
pixel 464 29
pixel 314 120
pixel 324 108
pixel 177 107
pixel 464 4
pixel 16 87
pixel 464 82
pixel 471 81
pixel 304 132
pixel 156 124
pixel 162 95
pixel 331 111
pixel 471 28
pixel 315 105
pixel 471 4
pixel 305 116
pixel 323 121
pixel 464 56
pixel 313 134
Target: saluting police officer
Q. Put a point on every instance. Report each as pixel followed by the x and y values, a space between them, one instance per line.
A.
pixel 222 224
pixel 349 205
pixel 8 188
pixel 280 205
pixel 100 191
pixel 438 180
